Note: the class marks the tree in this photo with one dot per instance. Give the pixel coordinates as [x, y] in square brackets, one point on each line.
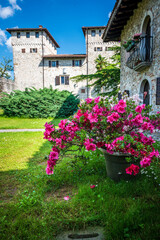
[107, 76]
[5, 68]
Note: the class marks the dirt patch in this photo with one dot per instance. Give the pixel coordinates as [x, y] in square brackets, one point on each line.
[60, 193]
[8, 194]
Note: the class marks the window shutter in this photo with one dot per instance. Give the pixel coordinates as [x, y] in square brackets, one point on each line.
[94, 48]
[30, 50]
[101, 49]
[72, 63]
[119, 96]
[158, 92]
[80, 63]
[106, 48]
[36, 50]
[57, 81]
[50, 63]
[57, 63]
[66, 80]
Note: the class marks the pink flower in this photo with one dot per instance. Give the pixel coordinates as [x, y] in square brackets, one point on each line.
[49, 171]
[93, 117]
[66, 198]
[92, 186]
[137, 120]
[91, 147]
[122, 103]
[62, 124]
[120, 109]
[53, 155]
[97, 99]
[89, 100]
[139, 108]
[132, 169]
[146, 161]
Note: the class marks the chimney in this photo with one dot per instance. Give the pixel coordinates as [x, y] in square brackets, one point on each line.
[40, 26]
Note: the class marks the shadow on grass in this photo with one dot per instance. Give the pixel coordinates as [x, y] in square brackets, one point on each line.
[33, 206]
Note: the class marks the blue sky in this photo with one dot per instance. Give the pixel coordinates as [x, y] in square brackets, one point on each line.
[63, 18]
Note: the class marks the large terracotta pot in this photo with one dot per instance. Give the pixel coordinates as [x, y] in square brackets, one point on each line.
[116, 165]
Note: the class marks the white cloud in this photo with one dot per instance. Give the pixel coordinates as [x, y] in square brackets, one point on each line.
[6, 12]
[109, 14]
[8, 43]
[14, 4]
[9, 11]
[3, 37]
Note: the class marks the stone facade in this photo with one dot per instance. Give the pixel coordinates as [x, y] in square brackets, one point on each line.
[132, 80]
[7, 85]
[32, 67]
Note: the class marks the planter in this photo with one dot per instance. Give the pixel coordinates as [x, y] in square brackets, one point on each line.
[130, 47]
[116, 165]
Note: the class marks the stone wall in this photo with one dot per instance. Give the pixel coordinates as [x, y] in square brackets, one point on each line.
[6, 85]
[28, 67]
[65, 68]
[130, 79]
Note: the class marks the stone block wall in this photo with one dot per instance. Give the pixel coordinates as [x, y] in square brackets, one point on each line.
[130, 79]
[7, 85]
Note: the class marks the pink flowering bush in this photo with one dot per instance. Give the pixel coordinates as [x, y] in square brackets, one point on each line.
[116, 126]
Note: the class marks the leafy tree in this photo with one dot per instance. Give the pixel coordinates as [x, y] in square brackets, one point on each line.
[107, 76]
[5, 68]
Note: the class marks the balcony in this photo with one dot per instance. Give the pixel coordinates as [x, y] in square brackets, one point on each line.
[141, 55]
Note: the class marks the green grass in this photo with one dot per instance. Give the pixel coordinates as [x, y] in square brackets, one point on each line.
[24, 123]
[32, 204]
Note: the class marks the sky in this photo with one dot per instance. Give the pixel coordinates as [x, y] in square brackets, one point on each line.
[63, 18]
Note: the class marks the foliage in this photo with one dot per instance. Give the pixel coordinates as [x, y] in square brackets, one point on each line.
[107, 76]
[125, 210]
[5, 68]
[114, 125]
[41, 103]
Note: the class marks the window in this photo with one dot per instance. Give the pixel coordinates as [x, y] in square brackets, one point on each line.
[33, 50]
[23, 50]
[63, 80]
[77, 63]
[18, 35]
[53, 63]
[97, 48]
[37, 34]
[100, 32]
[27, 34]
[93, 33]
[83, 90]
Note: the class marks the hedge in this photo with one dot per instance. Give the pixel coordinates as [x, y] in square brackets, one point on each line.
[42, 103]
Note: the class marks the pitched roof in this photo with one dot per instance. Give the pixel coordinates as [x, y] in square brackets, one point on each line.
[92, 27]
[121, 13]
[65, 56]
[34, 29]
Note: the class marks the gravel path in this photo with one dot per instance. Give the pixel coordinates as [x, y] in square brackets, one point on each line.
[21, 130]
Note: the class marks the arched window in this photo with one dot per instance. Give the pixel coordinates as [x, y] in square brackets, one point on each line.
[146, 40]
[145, 92]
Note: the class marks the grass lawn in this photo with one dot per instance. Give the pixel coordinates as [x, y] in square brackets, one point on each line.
[32, 204]
[24, 123]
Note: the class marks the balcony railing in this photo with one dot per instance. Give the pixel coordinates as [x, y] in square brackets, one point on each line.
[141, 54]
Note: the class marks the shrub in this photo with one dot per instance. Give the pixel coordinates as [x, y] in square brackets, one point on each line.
[42, 103]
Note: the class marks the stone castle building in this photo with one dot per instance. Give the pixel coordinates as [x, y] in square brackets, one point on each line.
[37, 64]
[140, 61]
